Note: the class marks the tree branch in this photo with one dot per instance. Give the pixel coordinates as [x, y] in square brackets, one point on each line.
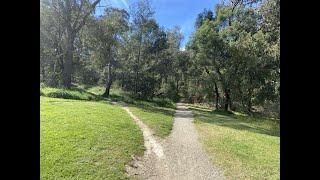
[78, 14]
[76, 29]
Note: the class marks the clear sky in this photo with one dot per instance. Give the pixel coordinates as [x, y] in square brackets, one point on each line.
[170, 13]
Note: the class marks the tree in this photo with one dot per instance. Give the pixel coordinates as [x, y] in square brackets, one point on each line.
[72, 17]
[213, 55]
[238, 53]
[146, 42]
[205, 15]
[107, 33]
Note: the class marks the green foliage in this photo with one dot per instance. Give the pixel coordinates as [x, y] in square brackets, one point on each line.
[231, 61]
[205, 15]
[170, 90]
[235, 52]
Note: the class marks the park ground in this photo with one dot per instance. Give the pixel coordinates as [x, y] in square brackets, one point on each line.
[85, 136]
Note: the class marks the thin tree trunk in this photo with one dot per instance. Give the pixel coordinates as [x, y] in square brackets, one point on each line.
[227, 100]
[109, 82]
[177, 87]
[138, 64]
[249, 106]
[107, 90]
[249, 102]
[217, 95]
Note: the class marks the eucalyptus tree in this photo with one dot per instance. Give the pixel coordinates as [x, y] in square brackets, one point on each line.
[145, 44]
[205, 15]
[213, 56]
[106, 35]
[73, 15]
[51, 45]
[234, 49]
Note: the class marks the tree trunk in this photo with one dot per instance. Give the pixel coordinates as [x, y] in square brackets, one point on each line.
[217, 95]
[249, 102]
[107, 91]
[227, 100]
[177, 87]
[138, 65]
[249, 106]
[109, 81]
[108, 56]
[67, 65]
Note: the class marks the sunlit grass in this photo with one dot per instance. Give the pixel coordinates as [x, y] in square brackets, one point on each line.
[92, 139]
[159, 119]
[86, 140]
[245, 147]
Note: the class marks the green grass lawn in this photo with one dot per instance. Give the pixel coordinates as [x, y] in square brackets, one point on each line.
[245, 147]
[159, 119]
[83, 136]
[86, 139]
[156, 114]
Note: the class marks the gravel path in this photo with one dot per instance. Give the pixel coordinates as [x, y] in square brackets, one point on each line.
[179, 156]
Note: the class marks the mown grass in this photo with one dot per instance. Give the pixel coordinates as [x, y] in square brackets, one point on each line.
[86, 140]
[157, 113]
[159, 119]
[245, 147]
[83, 136]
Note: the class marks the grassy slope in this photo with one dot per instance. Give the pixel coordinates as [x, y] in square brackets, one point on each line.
[91, 139]
[246, 148]
[85, 140]
[156, 114]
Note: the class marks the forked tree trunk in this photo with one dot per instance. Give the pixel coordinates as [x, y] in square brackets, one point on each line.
[71, 31]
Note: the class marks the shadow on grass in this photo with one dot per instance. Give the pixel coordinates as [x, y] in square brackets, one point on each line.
[230, 120]
[143, 103]
[156, 105]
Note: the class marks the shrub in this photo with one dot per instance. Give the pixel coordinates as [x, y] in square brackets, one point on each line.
[76, 94]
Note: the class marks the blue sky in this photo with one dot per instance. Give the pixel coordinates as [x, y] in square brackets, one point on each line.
[170, 13]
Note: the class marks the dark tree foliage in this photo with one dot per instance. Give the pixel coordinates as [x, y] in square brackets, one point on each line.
[205, 15]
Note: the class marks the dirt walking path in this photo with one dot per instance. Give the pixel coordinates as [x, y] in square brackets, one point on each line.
[178, 157]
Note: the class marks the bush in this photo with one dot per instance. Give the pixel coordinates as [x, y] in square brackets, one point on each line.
[272, 109]
[164, 102]
[170, 91]
[63, 94]
[76, 94]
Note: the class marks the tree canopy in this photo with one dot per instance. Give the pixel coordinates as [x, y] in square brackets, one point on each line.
[232, 59]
